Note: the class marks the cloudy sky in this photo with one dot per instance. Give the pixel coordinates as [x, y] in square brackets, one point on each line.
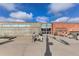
[39, 12]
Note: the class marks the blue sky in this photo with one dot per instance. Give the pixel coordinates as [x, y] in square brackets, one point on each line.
[39, 12]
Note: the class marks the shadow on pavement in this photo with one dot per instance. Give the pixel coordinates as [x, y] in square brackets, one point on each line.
[64, 42]
[48, 52]
[9, 40]
[5, 42]
[61, 41]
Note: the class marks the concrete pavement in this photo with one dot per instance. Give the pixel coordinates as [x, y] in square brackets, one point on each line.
[61, 49]
[24, 46]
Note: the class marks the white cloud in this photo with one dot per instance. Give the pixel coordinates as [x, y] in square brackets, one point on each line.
[14, 20]
[8, 6]
[67, 20]
[62, 19]
[42, 19]
[17, 17]
[74, 20]
[3, 19]
[21, 15]
[57, 7]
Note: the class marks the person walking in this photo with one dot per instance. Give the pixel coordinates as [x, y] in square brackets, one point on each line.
[34, 37]
[40, 36]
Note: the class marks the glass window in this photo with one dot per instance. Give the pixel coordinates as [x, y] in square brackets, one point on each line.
[15, 25]
[46, 26]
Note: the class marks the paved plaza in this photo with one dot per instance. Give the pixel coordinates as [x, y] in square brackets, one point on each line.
[24, 46]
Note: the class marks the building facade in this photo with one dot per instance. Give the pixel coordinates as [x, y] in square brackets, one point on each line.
[65, 28]
[22, 28]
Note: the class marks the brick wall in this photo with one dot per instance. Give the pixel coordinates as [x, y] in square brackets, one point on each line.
[68, 26]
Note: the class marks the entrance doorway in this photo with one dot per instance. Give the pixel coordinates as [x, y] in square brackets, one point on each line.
[46, 30]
